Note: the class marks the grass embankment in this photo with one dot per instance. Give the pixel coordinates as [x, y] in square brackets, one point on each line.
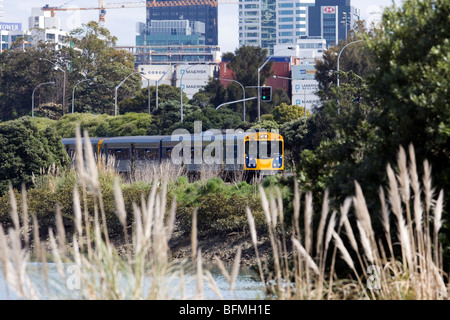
[403, 261]
[221, 207]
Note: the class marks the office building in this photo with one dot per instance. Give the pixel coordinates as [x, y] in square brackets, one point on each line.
[1, 10]
[267, 23]
[332, 20]
[178, 34]
[41, 28]
[205, 13]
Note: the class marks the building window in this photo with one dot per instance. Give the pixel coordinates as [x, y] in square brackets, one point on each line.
[286, 12]
[300, 11]
[251, 6]
[286, 26]
[286, 34]
[300, 19]
[251, 13]
[287, 19]
[252, 34]
[285, 5]
[329, 16]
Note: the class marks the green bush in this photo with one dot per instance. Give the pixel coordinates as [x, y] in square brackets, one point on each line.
[24, 150]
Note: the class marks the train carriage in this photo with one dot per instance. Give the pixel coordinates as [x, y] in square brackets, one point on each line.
[252, 153]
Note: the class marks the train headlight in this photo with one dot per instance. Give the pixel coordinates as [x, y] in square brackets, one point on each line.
[277, 162]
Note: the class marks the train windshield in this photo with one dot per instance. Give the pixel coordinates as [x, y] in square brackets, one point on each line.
[264, 149]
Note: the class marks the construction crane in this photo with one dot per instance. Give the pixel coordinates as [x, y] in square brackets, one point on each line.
[102, 6]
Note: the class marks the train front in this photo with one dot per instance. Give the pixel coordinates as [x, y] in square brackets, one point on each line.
[264, 153]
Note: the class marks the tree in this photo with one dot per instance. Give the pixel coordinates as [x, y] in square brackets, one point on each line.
[245, 62]
[91, 55]
[20, 73]
[211, 119]
[24, 150]
[285, 113]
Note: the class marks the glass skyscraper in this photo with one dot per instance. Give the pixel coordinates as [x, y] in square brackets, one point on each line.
[267, 23]
[332, 20]
[206, 13]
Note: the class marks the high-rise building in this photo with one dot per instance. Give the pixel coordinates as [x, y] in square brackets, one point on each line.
[267, 23]
[178, 33]
[41, 28]
[205, 13]
[332, 20]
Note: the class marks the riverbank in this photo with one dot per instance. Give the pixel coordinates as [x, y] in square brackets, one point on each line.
[223, 246]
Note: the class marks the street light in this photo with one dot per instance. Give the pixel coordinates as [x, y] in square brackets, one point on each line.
[117, 88]
[259, 79]
[73, 91]
[304, 91]
[181, 90]
[148, 84]
[32, 96]
[339, 56]
[157, 83]
[64, 84]
[243, 94]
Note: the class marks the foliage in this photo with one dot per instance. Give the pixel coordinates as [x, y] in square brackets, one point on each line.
[139, 102]
[129, 124]
[21, 72]
[25, 150]
[401, 99]
[266, 124]
[293, 133]
[284, 113]
[211, 119]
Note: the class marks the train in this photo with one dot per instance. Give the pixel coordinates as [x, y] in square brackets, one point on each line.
[259, 153]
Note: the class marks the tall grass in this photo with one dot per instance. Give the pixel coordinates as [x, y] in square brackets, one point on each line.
[89, 264]
[343, 257]
[403, 263]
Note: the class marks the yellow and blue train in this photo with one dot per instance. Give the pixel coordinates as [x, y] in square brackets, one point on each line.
[253, 153]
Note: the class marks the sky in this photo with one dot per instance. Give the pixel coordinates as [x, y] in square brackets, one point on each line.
[122, 22]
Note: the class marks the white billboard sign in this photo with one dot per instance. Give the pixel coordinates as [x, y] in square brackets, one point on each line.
[195, 72]
[191, 87]
[309, 101]
[302, 87]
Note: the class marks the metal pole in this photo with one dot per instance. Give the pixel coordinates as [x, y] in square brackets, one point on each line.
[304, 91]
[259, 84]
[149, 111]
[339, 56]
[237, 101]
[32, 96]
[157, 83]
[64, 84]
[115, 94]
[64, 92]
[243, 94]
[73, 92]
[157, 94]
[181, 92]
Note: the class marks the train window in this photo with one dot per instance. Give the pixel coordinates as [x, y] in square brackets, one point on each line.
[120, 153]
[169, 153]
[147, 153]
[269, 149]
[264, 149]
[251, 148]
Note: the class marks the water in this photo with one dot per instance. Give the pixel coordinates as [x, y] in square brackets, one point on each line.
[245, 288]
